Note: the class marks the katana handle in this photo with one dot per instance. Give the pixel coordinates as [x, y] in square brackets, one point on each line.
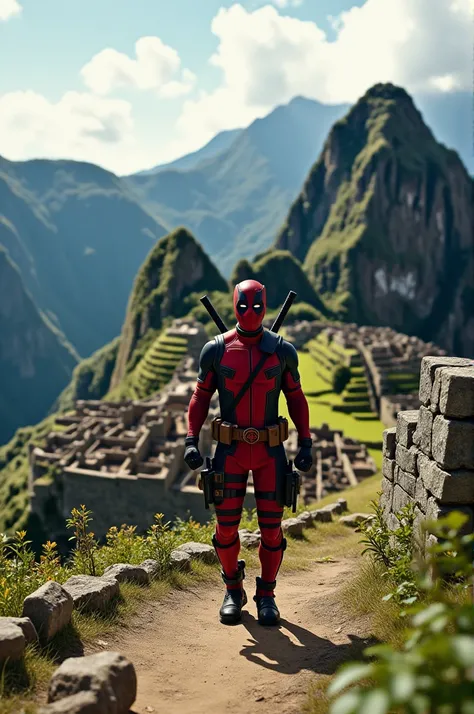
[284, 309]
[214, 314]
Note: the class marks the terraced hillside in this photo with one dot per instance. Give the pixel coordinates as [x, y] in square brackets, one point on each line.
[157, 366]
[328, 356]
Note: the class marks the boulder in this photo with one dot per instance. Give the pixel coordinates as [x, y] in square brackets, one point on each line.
[453, 443]
[248, 539]
[292, 527]
[389, 441]
[126, 573]
[200, 551]
[406, 426]
[26, 626]
[91, 593]
[109, 676]
[12, 641]
[353, 520]
[151, 566]
[49, 609]
[180, 560]
[454, 487]
[80, 703]
[321, 515]
[306, 519]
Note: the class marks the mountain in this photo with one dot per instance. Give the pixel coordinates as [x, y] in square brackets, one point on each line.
[235, 201]
[215, 146]
[176, 268]
[35, 360]
[78, 237]
[384, 224]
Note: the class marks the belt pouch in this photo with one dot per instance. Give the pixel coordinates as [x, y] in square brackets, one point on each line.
[218, 490]
[273, 435]
[215, 428]
[283, 424]
[225, 433]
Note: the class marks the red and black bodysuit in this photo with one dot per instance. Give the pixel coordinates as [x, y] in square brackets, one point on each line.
[225, 364]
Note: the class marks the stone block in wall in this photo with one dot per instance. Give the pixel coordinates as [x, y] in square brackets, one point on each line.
[454, 487]
[436, 510]
[419, 519]
[386, 496]
[429, 365]
[406, 458]
[406, 481]
[422, 435]
[388, 468]
[456, 397]
[400, 498]
[406, 425]
[392, 522]
[421, 495]
[452, 443]
[389, 442]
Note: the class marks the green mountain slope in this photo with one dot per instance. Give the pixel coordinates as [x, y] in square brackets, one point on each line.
[176, 268]
[384, 224]
[233, 202]
[35, 360]
[78, 237]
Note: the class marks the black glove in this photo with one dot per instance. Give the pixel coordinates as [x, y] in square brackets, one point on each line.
[304, 457]
[191, 454]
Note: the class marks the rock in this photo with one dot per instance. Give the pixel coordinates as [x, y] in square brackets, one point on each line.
[26, 626]
[12, 641]
[392, 522]
[80, 703]
[456, 397]
[406, 458]
[91, 593]
[453, 443]
[200, 551]
[249, 540]
[406, 425]
[422, 435]
[306, 519]
[49, 609]
[343, 503]
[126, 573]
[388, 468]
[321, 515]
[429, 365]
[151, 566]
[292, 527]
[406, 481]
[400, 499]
[334, 508]
[436, 510]
[389, 442]
[108, 675]
[421, 495]
[180, 561]
[353, 520]
[454, 487]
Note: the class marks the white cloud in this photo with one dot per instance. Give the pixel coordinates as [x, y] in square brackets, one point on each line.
[287, 3]
[8, 9]
[267, 58]
[156, 67]
[79, 126]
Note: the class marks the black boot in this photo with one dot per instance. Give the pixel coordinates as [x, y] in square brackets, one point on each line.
[234, 600]
[268, 613]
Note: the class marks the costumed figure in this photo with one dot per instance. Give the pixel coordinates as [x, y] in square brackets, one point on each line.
[249, 366]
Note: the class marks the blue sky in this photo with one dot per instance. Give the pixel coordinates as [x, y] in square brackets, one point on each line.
[71, 85]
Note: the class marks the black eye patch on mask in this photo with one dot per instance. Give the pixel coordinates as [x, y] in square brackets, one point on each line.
[242, 303]
[258, 302]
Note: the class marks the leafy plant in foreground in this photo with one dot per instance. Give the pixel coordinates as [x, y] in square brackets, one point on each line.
[434, 671]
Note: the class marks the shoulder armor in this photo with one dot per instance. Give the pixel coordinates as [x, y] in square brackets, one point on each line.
[270, 342]
[208, 358]
[290, 358]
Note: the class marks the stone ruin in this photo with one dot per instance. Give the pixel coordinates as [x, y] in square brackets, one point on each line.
[338, 462]
[428, 458]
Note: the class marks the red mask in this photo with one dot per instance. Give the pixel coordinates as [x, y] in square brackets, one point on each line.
[250, 303]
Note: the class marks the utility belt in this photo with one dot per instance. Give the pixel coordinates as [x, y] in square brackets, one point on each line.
[226, 433]
[213, 485]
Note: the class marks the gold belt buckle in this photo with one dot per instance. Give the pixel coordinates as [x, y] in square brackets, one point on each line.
[251, 435]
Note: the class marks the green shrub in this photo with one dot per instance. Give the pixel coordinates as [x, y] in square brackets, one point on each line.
[434, 671]
[340, 377]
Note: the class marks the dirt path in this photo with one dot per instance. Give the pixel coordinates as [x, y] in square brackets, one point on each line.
[188, 663]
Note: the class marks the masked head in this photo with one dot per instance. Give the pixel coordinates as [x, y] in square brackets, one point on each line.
[250, 303]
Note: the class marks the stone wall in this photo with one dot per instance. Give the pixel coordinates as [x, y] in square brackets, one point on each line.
[428, 457]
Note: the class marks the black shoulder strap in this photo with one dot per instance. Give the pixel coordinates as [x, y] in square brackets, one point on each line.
[249, 381]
